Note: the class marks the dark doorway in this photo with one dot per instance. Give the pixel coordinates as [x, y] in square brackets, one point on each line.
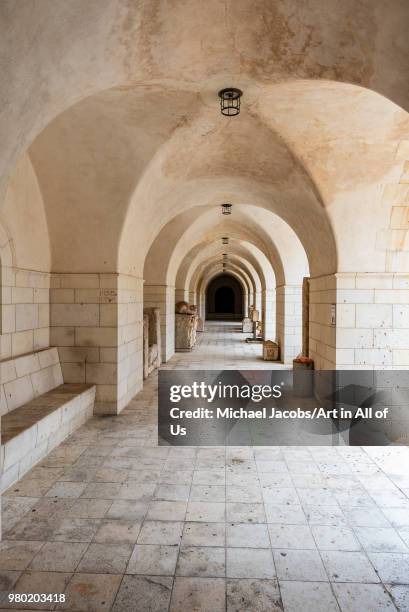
[224, 298]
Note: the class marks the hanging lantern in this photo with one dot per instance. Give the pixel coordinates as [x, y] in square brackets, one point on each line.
[226, 209]
[225, 240]
[230, 101]
[225, 256]
[224, 267]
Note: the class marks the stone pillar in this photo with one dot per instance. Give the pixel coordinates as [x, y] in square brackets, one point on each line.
[96, 323]
[372, 321]
[163, 297]
[305, 316]
[180, 295]
[360, 320]
[289, 321]
[269, 314]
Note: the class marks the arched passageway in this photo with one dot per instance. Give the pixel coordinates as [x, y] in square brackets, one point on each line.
[224, 299]
[115, 164]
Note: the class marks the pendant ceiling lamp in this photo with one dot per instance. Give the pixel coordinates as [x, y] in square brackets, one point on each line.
[230, 101]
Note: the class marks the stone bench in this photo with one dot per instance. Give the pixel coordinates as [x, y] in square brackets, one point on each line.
[38, 411]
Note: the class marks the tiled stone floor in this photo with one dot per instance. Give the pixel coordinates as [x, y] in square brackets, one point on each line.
[118, 523]
[223, 346]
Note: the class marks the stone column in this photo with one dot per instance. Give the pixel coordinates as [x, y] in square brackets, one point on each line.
[289, 321]
[163, 297]
[269, 314]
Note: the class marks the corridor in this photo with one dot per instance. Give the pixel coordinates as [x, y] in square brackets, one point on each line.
[117, 523]
[223, 346]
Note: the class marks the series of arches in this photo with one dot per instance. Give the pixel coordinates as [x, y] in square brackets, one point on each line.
[115, 162]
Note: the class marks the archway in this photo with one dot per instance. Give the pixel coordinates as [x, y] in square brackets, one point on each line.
[224, 299]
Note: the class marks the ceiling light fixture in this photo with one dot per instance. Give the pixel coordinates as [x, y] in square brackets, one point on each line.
[230, 101]
[226, 209]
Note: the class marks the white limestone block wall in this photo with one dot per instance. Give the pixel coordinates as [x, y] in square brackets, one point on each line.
[289, 321]
[163, 297]
[371, 329]
[269, 314]
[25, 310]
[322, 332]
[372, 321]
[130, 338]
[96, 323]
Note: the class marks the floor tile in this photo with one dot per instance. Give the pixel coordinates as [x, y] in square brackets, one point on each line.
[237, 512]
[160, 532]
[252, 594]
[172, 492]
[249, 563]
[91, 593]
[76, 530]
[291, 536]
[201, 561]
[105, 559]
[204, 534]
[143, 593]
[166, 511]
[207, 512]
[358, 597]
[244, 535]
[58, 557]
[301, 565]
[344, 566]
[391, 567]
[16, 555]
[153, 559]
[66, 489]
[288, 515]
[117, 532]
[213, 493]
[204, 594]
[400, 596]
[331, 537]
[380, 539]
[316, 596]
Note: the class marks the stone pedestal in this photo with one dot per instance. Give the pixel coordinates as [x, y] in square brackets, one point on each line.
[247, 326]
[185, 331]
[270, 351]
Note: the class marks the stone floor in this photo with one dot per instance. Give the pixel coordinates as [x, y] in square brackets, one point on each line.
[223, 346]
[117, 523]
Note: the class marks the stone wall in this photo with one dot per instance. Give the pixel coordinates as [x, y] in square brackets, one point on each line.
[322, 333]
[96, 323]
[371, 330]
[289, 321]
[25, 311]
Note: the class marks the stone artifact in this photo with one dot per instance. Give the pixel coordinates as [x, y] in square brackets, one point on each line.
[247, 325]
[255, 316]
[270, 350]
[181, 307]
[200, 325]
[152, 353]
[185, 331]
[192, 309]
